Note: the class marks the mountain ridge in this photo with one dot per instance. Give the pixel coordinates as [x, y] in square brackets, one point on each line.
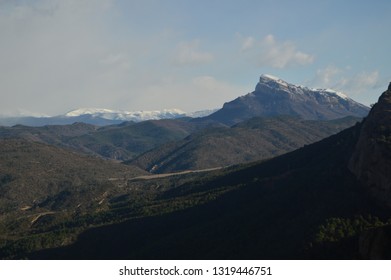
[274, 96]
[251, 140]
[101, 117]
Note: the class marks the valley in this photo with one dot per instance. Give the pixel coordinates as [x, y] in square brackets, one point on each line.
[282, 185]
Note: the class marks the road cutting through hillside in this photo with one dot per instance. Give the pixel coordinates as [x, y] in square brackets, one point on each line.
[164, 175]
[41, 215]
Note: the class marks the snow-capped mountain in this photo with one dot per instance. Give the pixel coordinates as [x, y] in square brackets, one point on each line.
[202, 113]
[272, 81]
[98, 116]
[136, 116]
[274, 96]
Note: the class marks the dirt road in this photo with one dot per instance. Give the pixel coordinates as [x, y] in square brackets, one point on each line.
[156, 176]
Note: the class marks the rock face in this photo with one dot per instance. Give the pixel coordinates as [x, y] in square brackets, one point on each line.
[371, 160]
[273, 96]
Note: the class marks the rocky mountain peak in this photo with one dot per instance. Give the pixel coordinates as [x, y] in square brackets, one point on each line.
[267, 78]
[273, 82]
[371, 160]
[273, 96]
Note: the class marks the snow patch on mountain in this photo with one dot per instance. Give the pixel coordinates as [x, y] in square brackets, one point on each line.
[200, 114]
[271, 77]
[136, 116]
[267, 79]
[339, 94]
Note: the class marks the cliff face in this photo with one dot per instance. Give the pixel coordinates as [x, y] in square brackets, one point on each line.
[371, 160]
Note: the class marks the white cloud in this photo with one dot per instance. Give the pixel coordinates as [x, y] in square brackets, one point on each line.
[248, 43]
[188, 53]
[268, 52]
[366, 79]
[327, 77]
[344, 80]
[281, 54]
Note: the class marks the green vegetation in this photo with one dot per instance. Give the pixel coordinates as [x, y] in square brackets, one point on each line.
[279, 208]
[119, 142]
[255, 139]
[336, 229]
[49, 196]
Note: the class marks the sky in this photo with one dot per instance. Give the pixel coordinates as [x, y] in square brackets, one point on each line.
[59, 55]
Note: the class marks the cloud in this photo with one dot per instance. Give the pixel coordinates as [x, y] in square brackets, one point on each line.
[327, 77]
[281, 54]
[188, 53]
[268, 52]
[344, 80]
[248, 43]
[366, 79]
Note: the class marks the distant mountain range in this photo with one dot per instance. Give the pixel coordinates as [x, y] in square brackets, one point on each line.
[136, 116]
[273, 97]
[101, 117]
[177, 141]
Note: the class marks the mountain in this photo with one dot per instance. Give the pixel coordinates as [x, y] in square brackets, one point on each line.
[273, 96]
[101, 117]
[251, 140]
[200, 114]
[318, 202]
[128, 140]
[43, 185]
[371, 161]
[136, 116]
[119, 142]
[49, 134]
[56, 120]
[33, 172]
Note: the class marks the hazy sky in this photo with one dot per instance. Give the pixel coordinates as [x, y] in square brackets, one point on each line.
[58, 55]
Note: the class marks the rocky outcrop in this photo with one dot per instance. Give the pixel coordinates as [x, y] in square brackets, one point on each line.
[371, 160]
